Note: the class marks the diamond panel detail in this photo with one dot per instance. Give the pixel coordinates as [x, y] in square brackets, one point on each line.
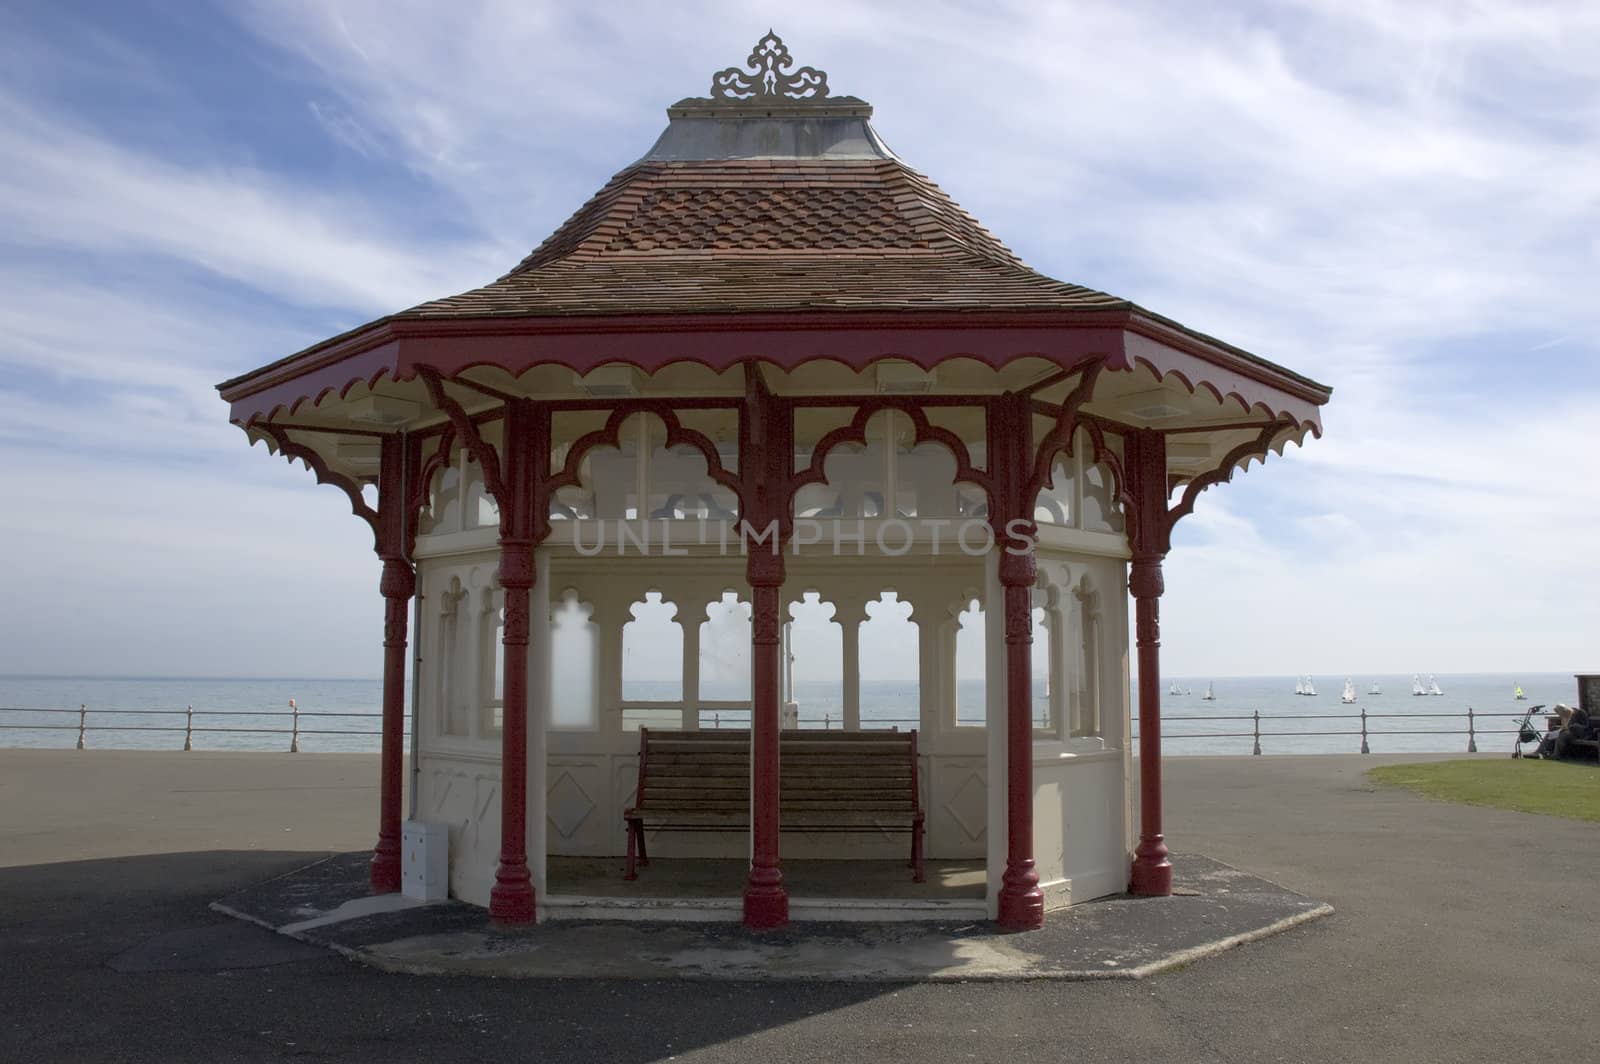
[569, 805]
[968, 804]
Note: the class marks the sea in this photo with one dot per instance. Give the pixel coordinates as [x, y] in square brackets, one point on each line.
[154, 713]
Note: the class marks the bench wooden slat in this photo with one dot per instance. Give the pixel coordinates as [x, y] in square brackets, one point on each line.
[827, 782]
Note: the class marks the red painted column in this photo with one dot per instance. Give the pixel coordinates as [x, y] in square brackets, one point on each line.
[524, 451]
[511, 898]
[1147, 470]
[397, 585]
[766, 463]
[1152, 870]
[766, 901]
[1021, 902]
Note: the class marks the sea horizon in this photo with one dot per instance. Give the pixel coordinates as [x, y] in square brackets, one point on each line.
[377, 678]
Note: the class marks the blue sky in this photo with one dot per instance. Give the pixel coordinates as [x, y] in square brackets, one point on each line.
[1400, 200]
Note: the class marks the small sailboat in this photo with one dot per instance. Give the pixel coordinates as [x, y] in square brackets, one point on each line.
[1349, 696]
[1519, 696]
[1374, 689]
[1174, 689]
[1211, 694]
[1416, 686]
[1311, 688]
[1299, 686]
[1433, 686]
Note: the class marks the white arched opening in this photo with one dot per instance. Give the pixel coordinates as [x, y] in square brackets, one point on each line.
[652, 665]
[891, 680]
[725, 663]
[575, 684]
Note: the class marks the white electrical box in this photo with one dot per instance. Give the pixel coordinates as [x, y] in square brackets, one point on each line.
[425, 861]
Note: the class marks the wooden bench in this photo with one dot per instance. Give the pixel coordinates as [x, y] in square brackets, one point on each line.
[862, 782]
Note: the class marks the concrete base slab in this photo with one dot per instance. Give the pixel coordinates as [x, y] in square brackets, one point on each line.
[1216, 908]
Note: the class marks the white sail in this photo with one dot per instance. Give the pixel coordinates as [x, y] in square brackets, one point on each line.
[1211, 694]
[1374, 689]
[1416, 686]
[1299, 686]
[1311, 688]
[1174, 689]
[1349, 695]
[1433, 686]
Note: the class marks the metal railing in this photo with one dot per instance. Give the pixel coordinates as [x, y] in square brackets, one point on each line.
[84, 722]
[1362, 729]
[109, 720]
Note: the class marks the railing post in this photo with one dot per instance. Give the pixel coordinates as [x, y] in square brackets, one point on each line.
[83, 723]
[294, 737]
[1257, 749]
[1364, 748]
[1472, 734]
[188, 729]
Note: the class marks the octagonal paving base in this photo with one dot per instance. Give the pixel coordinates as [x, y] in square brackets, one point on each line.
[1215, 908]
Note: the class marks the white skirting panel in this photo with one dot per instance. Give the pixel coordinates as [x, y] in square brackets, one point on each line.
[464, 794]
[1078, 834]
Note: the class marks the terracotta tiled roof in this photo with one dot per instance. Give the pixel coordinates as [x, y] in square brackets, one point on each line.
[786, 234]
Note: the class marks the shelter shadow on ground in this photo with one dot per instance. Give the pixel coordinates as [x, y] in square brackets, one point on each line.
[132, 935]
[1214, 908]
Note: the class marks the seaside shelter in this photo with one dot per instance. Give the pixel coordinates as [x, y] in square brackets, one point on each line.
[770, 372]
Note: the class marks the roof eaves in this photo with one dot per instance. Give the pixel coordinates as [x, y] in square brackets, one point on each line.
[349, 342]
[1166, 330]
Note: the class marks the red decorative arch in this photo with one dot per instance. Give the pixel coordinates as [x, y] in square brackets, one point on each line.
[924, 432]
[1256, 448]
[435, 462]
[677, 435]
[487, 460]
[291, 450]
[1105, 456]
[1059, 438]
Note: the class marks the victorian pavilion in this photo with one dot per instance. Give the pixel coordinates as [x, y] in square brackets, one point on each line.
[767, 329]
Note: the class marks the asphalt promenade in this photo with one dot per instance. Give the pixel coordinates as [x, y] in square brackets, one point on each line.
[1457, 933]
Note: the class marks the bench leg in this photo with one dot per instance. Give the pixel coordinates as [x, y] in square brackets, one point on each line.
[644, 852]
[916, 853]
[632, 872]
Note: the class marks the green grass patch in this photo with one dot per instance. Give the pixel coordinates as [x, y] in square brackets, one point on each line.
[1554, 788]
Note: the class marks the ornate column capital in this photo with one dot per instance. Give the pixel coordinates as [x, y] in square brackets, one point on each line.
[517, 568]
[1018, 569]
[399, 580]
[1144, 576]
[763, 569]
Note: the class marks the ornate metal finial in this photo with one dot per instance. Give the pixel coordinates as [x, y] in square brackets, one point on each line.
[768, 78]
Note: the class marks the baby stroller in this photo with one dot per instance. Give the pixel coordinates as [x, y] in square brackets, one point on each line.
[1527, 733]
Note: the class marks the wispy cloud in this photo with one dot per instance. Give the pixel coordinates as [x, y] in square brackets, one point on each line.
[68, 189]
[1398, 199]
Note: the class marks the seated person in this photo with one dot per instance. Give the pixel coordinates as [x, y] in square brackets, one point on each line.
[1578, 727]
[1569, 724]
